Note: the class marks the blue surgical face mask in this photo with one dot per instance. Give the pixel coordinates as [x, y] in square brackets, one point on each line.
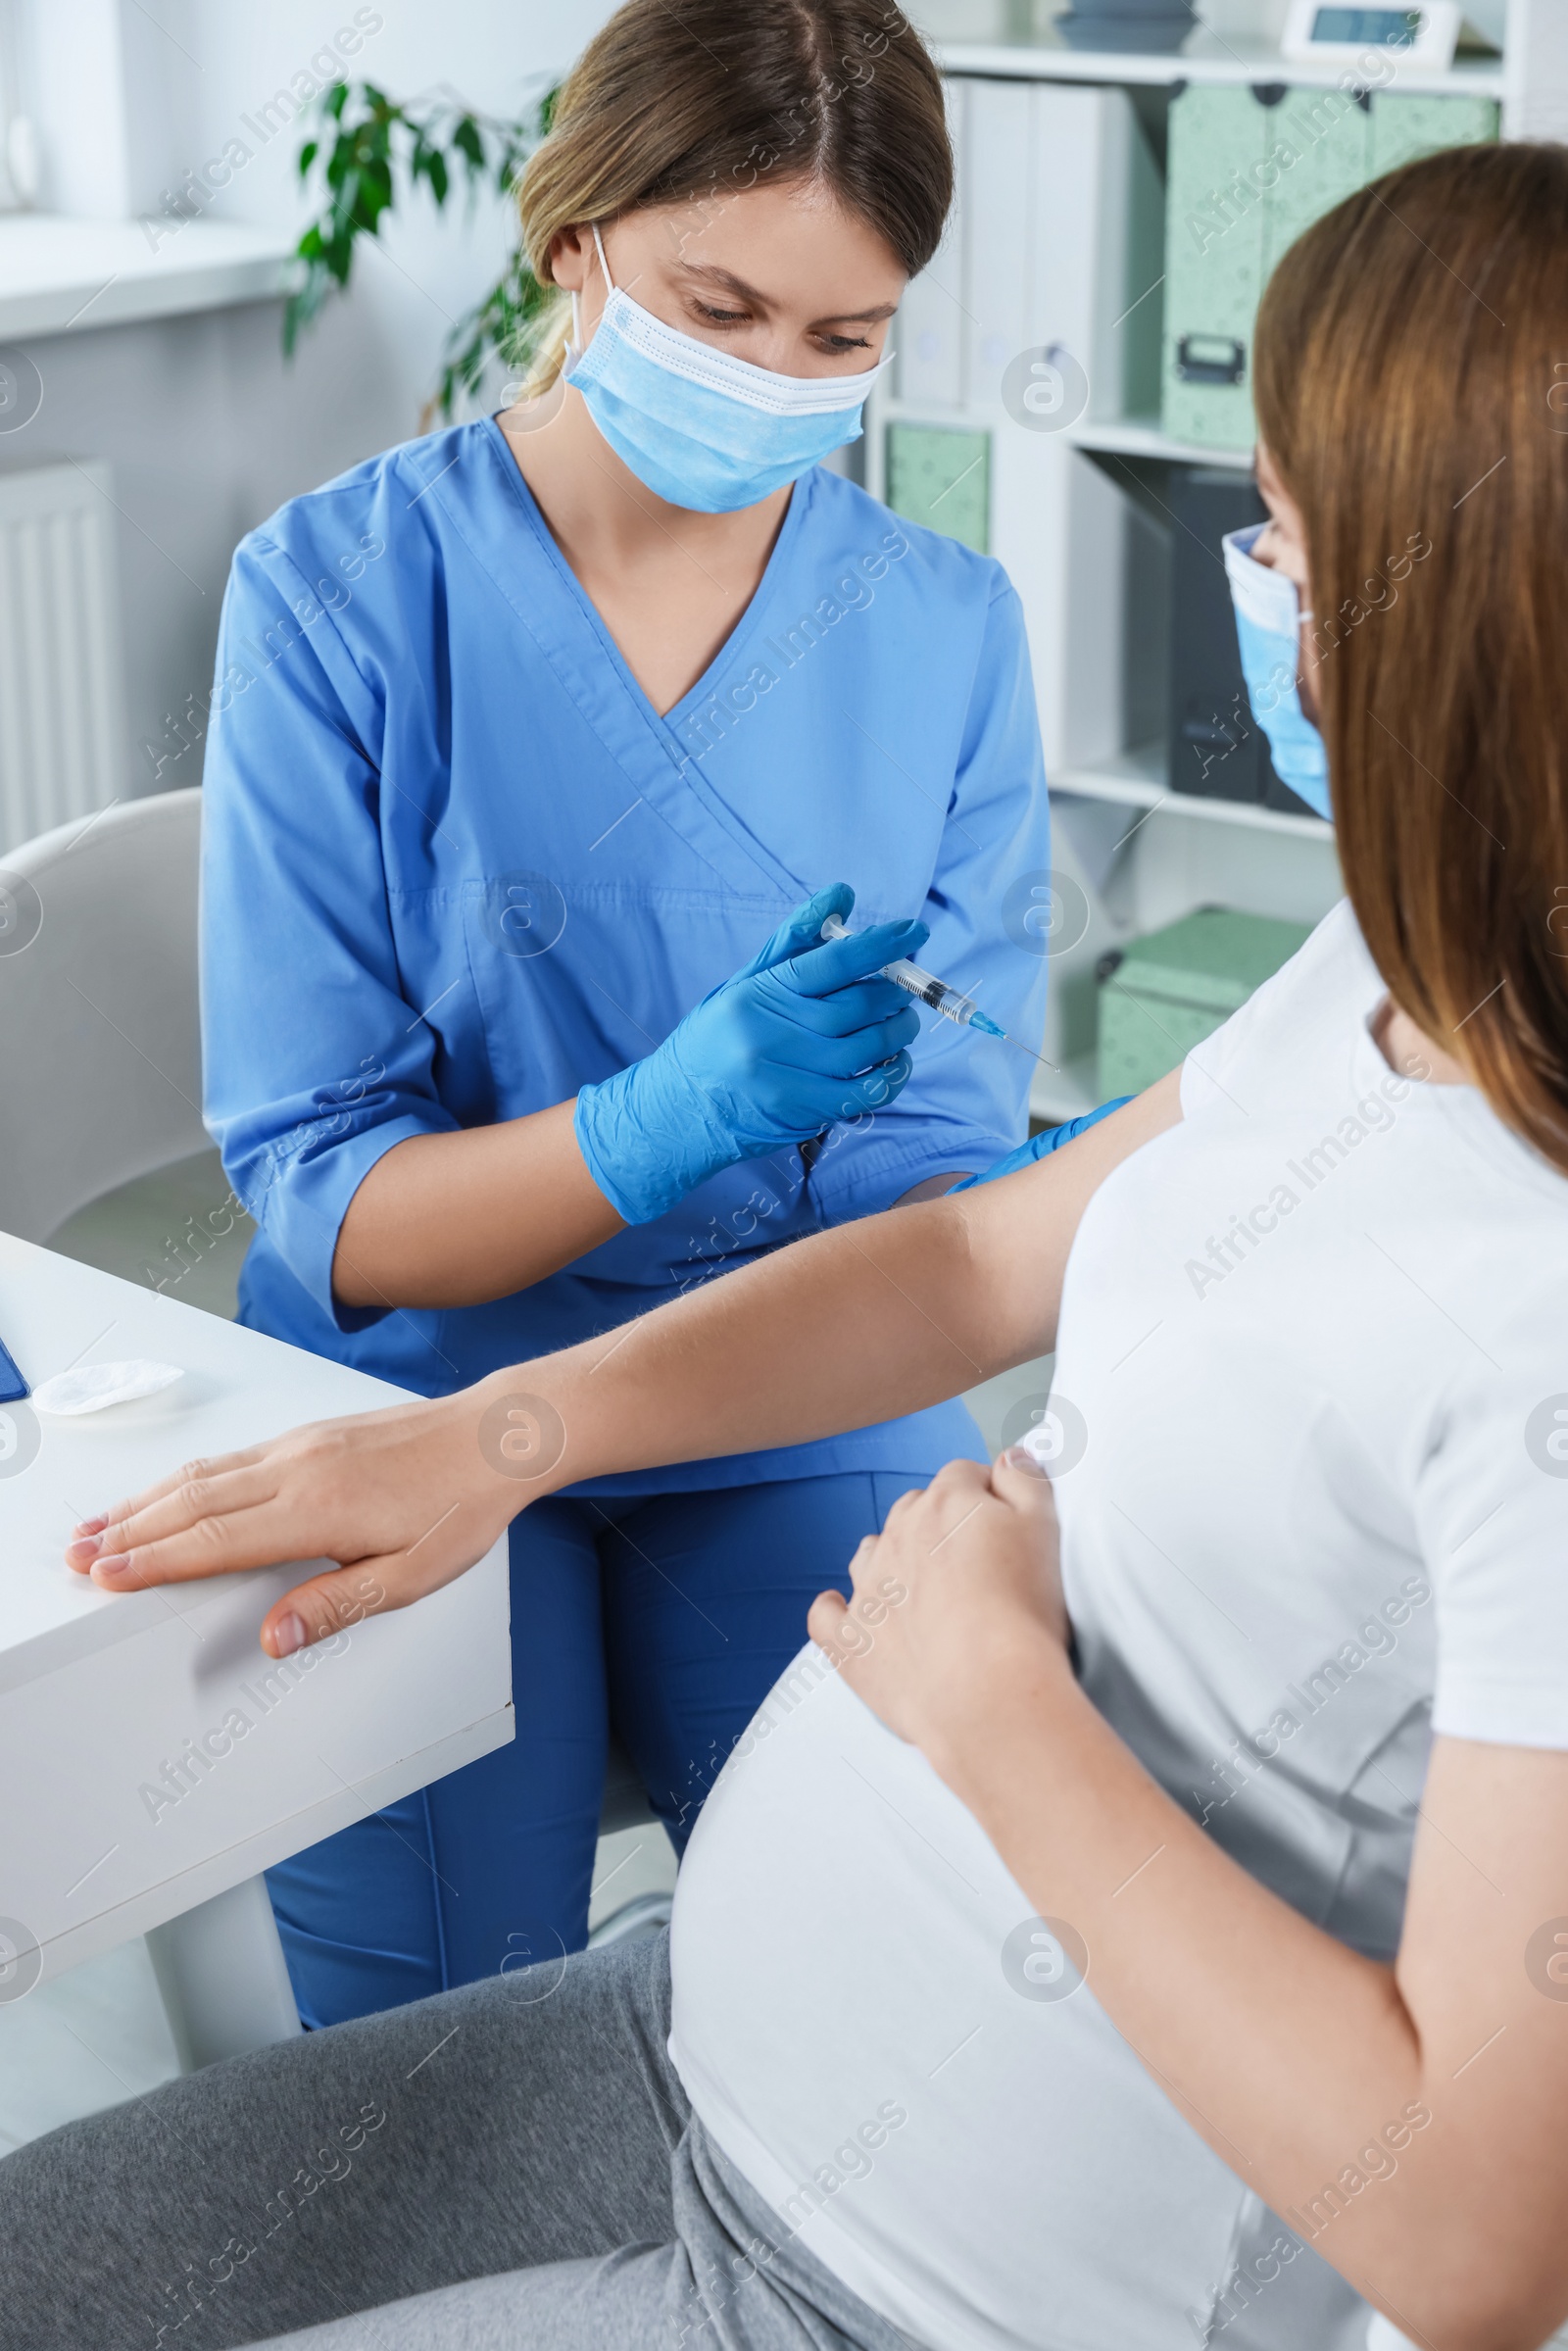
[1268, 625]
[699, 426]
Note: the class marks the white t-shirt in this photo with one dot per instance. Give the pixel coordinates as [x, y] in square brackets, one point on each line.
[1313, 1353]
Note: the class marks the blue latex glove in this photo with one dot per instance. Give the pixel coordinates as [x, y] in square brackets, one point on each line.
[1041, 1146]
[806, 1035]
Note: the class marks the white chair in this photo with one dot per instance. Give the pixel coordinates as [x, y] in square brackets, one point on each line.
[100, 1042]
[100, 1079]
[100, 1075]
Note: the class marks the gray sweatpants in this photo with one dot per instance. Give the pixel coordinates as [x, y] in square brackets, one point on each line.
[510, 2167]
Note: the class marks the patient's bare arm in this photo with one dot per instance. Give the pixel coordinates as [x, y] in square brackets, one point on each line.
[849, 1327]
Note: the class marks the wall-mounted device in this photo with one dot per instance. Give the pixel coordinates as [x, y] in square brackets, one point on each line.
[1323, 31]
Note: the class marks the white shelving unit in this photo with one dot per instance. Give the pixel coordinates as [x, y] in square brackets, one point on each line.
[1137, 779]
[1205, 57]
[1072, 208]
[1142, 437]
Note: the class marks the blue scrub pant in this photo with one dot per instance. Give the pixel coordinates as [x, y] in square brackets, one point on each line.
[667, 1616]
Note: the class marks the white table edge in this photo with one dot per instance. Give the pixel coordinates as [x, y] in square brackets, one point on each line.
[352, 1803]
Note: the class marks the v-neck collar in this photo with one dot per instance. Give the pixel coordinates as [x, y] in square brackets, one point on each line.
[530, 572]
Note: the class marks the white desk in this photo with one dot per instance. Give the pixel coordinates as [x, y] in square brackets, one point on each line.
[99, 1692]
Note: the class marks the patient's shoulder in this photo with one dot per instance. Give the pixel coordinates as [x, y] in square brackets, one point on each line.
[1301, 1021]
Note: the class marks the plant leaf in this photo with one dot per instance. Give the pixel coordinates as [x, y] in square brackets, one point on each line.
[378, 139]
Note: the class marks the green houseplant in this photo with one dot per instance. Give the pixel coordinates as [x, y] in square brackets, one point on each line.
[365, 150]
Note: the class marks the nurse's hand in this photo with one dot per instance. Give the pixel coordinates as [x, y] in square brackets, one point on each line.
[405, 1499]
[807, 1035]
[1040, 1146]
[956, 1602]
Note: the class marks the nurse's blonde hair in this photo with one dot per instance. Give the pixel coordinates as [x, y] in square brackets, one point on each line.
[703, 101]
[1412, 393]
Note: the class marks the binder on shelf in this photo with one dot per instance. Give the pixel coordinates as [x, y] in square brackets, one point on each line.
[1062, 240]
[1002, 233]
[930, 328]
[1076, 167]
[1059, 247]
[940, 475]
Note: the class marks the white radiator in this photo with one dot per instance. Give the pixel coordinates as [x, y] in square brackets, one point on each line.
[62, 671]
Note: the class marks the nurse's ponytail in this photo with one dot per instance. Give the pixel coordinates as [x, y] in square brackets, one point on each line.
[705, 101]
[1412, 392]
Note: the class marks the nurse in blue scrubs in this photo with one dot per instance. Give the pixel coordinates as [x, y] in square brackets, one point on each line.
[541, 747]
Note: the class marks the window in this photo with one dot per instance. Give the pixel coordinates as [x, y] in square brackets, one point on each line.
[18, 164]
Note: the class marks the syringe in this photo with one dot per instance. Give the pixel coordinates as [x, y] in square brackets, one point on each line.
[925, 987]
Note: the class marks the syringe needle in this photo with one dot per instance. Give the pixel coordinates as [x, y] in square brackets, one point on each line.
[1029, 1049]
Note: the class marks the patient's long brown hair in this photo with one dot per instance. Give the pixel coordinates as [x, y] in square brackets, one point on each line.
[1412, 389]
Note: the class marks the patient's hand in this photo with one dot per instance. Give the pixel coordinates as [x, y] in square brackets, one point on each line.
[956, 1600]
[404, 1499]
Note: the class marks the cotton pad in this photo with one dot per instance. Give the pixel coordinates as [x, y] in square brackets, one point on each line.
[98, 1385]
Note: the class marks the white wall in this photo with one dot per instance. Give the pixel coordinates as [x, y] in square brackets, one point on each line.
[205, 424]
[207, 428]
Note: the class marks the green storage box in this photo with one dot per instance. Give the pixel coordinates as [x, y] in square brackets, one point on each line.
[1406, 126]
[1214, 230]
[1246, 174]
[1179, 985]
[940, 475]
[1330, 137]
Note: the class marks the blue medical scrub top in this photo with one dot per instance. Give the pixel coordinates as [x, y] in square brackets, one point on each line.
[455, 866]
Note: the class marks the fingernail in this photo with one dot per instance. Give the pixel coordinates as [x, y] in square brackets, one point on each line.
[93, 1526]
[85, 1547]
[117, 1564]
[288, 1635]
